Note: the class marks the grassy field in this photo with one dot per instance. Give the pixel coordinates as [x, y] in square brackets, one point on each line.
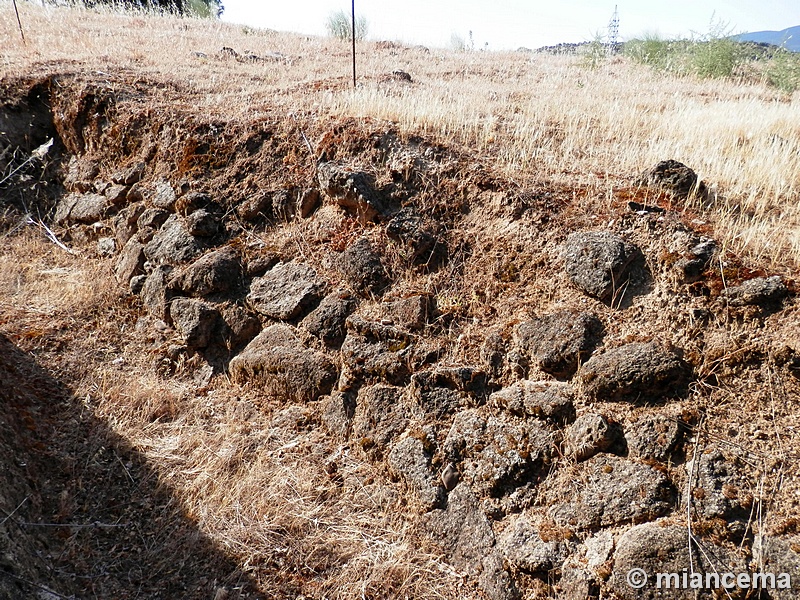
[531, 117]
[256, 477]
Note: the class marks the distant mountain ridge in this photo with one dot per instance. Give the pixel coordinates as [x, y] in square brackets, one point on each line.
[788, 38]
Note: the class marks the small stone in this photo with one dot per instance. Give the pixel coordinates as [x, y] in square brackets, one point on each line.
[327, 321]
[129, 175]
[202, 223]
[163, 196]
[194, 320]
[590, 434]
[287, 291]
[634, 371]
[106, 246]
[450, 477]
[761, 291]
[597, 262]
[116, 195]
[674, 177]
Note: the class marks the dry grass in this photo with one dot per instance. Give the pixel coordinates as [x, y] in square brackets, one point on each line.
[263, 482]
[532, 117]
[257, 478]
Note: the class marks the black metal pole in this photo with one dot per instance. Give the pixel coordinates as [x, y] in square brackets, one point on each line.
[23, 34]
[353, 6]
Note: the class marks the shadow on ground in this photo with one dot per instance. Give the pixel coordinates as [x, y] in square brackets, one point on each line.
[82, 514]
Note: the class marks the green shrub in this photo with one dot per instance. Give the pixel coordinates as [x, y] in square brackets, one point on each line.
[340, 25]
[783, 71]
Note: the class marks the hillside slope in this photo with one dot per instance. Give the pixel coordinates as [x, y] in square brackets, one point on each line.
[447, 335]
[788, 38]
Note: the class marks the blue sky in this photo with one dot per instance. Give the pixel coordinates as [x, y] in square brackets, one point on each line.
[509, 24]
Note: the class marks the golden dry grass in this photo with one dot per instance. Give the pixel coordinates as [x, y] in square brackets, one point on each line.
[254, 480]
[532, 117]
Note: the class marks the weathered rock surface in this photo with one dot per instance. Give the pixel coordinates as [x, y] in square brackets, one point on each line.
[129, 175]
[466, 536]
[125, 223]
[277, 361]
[172, 244]
[327, 321]
[130, 261]
[660, 548]
[674, 177]
[80, 174]
[779, 556]
[634, 371]
[194, 320]
[590, 434]
[540, 399]
[238, 325]
[761, 291]
[156, 293]
[411, 313]
[152, 218]
[411, 462]
[202, 223]
[558, 343]
[525, 550]
[379, 417]
[654, 437]
[362, 268]
[408, 227]
[719, 488]
[163, 196]
[497, 454]
[597, 262]
[81, 208]
[610, 490]
[217, 271]
[287, 291]
[373, 351]
[352, 190]
[116, 195]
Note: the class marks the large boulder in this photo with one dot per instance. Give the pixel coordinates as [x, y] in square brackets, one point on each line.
[277, 361]
[597, 262]
[634, 371]
[217, 271]
[558, 343]
[287, 291]
[172, 244]
[609, 490]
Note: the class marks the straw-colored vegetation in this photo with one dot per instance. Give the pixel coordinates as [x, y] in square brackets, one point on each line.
[536, 116]
[263, 492]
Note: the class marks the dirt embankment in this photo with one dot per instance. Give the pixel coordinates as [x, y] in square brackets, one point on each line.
[527, 375]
